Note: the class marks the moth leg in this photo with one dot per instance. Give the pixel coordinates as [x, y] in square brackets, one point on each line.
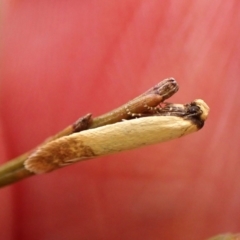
[131, 114]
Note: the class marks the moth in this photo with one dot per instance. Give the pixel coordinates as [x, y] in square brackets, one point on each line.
[166, 123]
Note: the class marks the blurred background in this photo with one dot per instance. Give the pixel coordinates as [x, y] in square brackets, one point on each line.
[63, 59]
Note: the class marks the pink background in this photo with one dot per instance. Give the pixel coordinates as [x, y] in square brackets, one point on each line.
[63, 59]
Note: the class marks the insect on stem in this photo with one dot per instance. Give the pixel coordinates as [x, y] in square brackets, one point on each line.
[113, 138]
[147, 104]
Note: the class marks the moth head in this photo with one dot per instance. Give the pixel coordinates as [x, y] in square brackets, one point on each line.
[204, 108]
